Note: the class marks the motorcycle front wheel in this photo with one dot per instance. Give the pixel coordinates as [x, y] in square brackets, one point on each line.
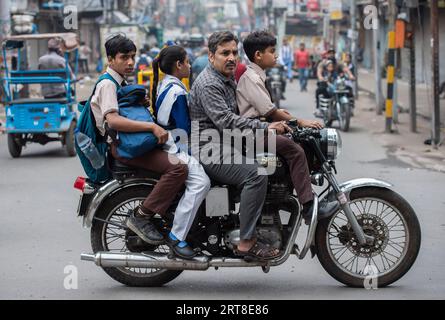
[112, 238]
[345, 116]
[392, 222]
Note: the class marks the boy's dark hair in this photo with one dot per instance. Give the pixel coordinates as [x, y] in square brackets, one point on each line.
[220, 37]
[119, 44]
[166, 61]
[258, 41]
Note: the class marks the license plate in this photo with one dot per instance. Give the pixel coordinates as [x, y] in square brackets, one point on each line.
[79, 205]
[84, 202]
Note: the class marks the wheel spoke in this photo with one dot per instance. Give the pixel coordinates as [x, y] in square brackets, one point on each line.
[346, 250]
[379, 219]
[375, 264]
[112, 233]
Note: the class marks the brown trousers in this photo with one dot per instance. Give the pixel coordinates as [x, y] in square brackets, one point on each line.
[172, 179]
[295, 158]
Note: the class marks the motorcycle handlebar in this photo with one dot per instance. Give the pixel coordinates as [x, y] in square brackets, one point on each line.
[302, 132]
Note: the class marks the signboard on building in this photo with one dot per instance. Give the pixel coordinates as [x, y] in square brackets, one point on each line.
[335, 9]
[312, 5]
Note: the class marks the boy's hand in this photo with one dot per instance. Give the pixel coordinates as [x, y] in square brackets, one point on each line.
[286, 112]
[146, 101]
[310, 124]
[160, 133]
[280, 126]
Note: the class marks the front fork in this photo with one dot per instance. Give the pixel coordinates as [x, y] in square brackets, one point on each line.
[345, 205]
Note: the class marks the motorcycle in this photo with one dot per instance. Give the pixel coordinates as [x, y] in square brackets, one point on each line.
[375, 233]
[338, 105]
[276, 83]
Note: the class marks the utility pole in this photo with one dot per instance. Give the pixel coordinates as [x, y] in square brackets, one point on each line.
[412, 94]
[271, 17]
[378, 65]
[353, 14]
[5, 18]
[435, 76]
[5, 28]
[390, 75]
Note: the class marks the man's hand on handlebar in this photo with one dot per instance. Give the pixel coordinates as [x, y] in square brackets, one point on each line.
[310, 124]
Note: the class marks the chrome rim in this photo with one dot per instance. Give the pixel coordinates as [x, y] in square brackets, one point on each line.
[114, 238]
[379, 219]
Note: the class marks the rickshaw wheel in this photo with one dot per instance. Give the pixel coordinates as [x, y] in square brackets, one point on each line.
[69, 140]
[14, 144]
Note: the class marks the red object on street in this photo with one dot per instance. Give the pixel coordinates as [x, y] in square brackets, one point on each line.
[240, 69]
[79, 184]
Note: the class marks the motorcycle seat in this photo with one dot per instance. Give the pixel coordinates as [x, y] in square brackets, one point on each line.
[121, 171]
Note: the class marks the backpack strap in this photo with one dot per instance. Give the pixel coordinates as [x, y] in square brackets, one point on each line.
[108, 132]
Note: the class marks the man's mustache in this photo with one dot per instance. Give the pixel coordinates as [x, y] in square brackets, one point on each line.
[230, 64]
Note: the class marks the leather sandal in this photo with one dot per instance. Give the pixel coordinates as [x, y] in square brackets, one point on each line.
[259, 252]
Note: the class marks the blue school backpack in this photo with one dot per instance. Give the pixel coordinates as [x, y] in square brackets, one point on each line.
[134, 144]
[87, 125]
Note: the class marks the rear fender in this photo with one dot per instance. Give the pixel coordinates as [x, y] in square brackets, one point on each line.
[108, 190]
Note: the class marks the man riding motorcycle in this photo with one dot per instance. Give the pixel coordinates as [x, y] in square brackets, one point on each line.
[321, 84]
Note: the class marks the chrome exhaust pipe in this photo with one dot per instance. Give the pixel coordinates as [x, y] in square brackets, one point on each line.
[162, 261]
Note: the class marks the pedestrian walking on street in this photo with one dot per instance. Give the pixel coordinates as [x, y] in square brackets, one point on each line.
[84, 52]
[302, 62]
[287, 58]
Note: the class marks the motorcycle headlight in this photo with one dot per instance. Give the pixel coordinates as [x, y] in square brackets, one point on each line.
[331, 143]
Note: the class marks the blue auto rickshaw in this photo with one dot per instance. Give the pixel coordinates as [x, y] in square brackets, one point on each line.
[38, 119]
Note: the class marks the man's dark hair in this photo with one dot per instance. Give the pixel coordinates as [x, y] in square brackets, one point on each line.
[258, 41]
[220, 37]
[119, 44]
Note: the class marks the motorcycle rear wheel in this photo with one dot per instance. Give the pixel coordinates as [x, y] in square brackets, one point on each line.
[116, 208]
[335, 238]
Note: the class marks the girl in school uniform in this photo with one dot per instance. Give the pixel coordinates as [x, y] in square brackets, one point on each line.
[169, 101]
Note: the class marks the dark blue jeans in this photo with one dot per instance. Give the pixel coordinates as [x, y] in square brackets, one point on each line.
[303, 76]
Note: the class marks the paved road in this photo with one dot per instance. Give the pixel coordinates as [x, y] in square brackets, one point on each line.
[41, 235]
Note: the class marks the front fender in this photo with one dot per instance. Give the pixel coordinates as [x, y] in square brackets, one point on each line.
[107, 190]
[350, 185]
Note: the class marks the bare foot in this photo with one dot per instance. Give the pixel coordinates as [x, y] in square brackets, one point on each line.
[245, 245]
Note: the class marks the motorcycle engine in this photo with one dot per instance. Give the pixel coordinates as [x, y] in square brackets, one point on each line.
[268, 230]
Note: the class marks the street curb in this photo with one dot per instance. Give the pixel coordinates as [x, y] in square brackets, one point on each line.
[400, 105]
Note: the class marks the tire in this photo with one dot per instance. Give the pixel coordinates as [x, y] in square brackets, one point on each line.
[381, 278]
[276, 97]
[123, 275]
[14, 147]
[327, 119]
[346, 117]
[69, 140]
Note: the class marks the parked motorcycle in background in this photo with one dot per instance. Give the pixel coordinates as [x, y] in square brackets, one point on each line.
[338, 105]
[276, 83]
